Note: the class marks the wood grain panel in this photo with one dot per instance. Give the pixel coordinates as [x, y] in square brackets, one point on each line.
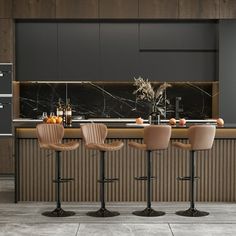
[125, 9]
[154, 9]
[227, 9]
[77, 9]
[5, 8]
[6, 39]
[216, 169]
[199, 9]
[35, 9]
[6, 158]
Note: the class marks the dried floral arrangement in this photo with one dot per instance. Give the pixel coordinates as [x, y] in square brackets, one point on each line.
[157, 98]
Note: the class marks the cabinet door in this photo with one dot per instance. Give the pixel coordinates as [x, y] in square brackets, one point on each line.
[6, 115]
[36, 51]
[34, 9]
[205, 9]
[178, 36]
[6, 159]
[5, 8]
[78, 51]
[149, 9]
[119, 51]
[6, 40]
[227, 70]
[227, 9]
[118, 9]
[77, 9]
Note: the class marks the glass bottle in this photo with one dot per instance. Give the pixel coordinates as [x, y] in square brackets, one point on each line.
[68, 113]
[59, 109]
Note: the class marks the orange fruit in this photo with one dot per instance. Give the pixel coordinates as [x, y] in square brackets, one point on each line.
[53, 121]
[172, 121]
[59, 119]
[139, 120]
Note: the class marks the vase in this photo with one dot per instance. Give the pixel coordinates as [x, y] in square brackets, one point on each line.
[154, 117]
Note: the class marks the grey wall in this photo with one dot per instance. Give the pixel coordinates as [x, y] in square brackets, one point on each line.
[227, 70]
[161, 51]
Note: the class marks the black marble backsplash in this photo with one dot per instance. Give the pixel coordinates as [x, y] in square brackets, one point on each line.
[112, 99]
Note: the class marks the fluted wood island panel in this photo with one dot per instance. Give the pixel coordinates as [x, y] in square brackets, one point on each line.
[35, 169]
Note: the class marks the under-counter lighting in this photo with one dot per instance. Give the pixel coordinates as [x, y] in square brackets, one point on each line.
[54, 82]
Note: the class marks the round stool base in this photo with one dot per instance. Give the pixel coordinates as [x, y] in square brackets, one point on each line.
[58, 212]
[149, 212]
[192, 212]
[103, 212]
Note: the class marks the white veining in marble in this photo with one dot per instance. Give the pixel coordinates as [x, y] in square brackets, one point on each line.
[124, 230]
[203, 229]
[38, 229]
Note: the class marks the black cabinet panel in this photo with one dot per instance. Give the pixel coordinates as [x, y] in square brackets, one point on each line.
[178, 66]
[178, 36]
[78, 51]
[36, 51]
[5, 78]
[5, 114]
[119, 51]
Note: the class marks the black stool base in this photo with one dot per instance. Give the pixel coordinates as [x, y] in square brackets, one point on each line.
[103, 212]
[192, 212]
[149, 212]
[58, 212]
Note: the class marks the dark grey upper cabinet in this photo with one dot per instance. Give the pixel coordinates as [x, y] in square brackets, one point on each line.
[178, 66]
[78, 51]
[119, 51]
[227, 69]
[181, 36]
[36, 51]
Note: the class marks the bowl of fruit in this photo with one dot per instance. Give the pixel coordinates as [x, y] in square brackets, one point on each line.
[53, 120]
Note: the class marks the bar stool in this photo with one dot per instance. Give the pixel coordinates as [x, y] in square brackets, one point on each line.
[201, 137]
[94, 136]
[50, 137]
[156, 137]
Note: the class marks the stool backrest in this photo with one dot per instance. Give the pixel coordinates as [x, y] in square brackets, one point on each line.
[94, 133]
[201, 137]
[157, 136]
[49, 134]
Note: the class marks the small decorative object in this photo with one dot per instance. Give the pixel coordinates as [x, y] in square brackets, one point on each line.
[182, 121]
[172, 121]
[220, 122]
[139, 121]
[145, 91]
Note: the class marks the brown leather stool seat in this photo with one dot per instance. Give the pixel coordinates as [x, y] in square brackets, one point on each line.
[201, 137]
[156, 137]
[94, 136]
[50, 137]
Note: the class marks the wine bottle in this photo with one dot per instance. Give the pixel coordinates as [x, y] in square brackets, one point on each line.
[59, 109]
[68, 113]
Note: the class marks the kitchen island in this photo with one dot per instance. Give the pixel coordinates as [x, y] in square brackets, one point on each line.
[35, 167]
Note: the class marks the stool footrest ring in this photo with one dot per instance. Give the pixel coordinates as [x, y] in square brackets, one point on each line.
[108, 180]
[187, 178]
[144, 178]
[63, 180]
